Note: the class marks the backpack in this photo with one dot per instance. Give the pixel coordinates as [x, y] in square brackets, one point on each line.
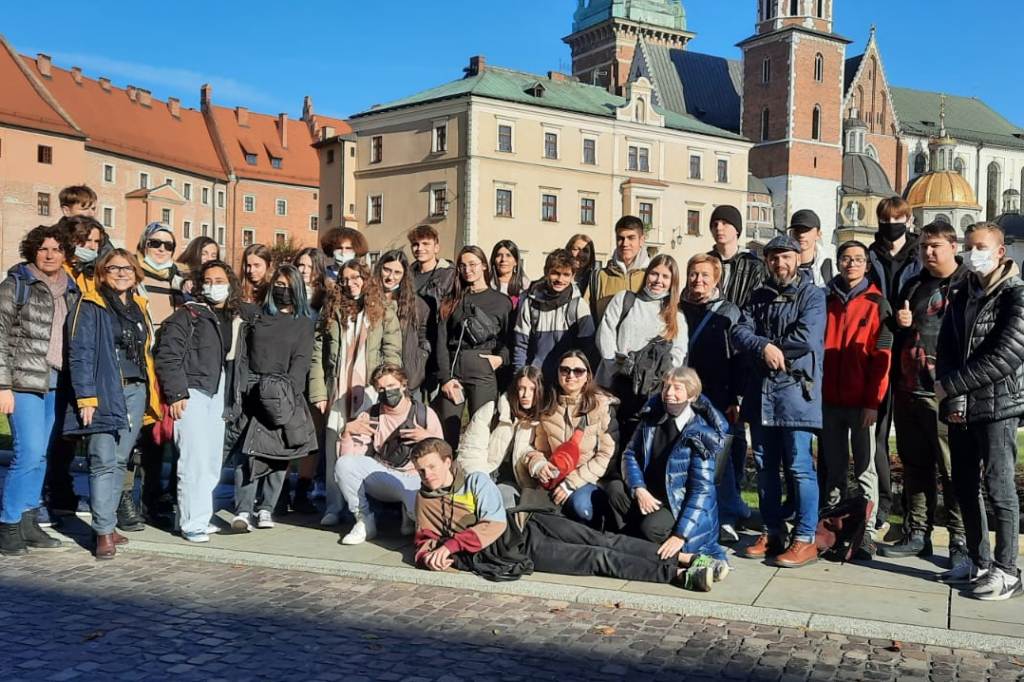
[841, 528]
[393, 452]
[571, 315]
[646, 366]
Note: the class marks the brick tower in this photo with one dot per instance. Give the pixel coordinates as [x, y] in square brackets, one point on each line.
[793, 80]
[604, 35]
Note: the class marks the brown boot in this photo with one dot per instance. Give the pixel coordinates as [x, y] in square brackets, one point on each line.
[119, 539]
[105, 546]
[765, 546]
[799, 554]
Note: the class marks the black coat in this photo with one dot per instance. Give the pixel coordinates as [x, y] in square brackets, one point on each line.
[981, 364]
[747, 272]
[711, 354]
[189, 353]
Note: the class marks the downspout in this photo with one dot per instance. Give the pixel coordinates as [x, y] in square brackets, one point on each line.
[469, 198]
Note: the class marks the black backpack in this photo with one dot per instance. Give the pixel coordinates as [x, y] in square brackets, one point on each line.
[646, 366]
[841, 528]
[393, 451]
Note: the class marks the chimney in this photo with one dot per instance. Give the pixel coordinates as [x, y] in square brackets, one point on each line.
[76, 75]
[133, 93]
[242, 114]
[105, 83]
[43, 63]
[282, 127]
[559, 76]
[205, 96]
[476, 66]
[145, 97]
[174, 106]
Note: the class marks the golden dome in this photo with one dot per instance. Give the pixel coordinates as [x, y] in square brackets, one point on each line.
[941, 189]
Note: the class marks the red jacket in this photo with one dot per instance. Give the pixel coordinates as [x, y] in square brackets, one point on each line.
[858, 347]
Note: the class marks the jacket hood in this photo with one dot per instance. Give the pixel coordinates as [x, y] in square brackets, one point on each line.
[617, 267]
[714, 426]
[837, 287]
[23, 272]
[881, 247]
[96, 297]
[991, 282]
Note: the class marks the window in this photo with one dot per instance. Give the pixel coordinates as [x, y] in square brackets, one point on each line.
[766, 70]
[220, 234]
[330, 156]
[275, 162]
[248, 237]
[165, 216]
[794, 7]
[958, 165]
[770, 8]
[723, 170]
[43, 203]
[206, 196]
[503, 203]
[143, 180]
[108, 172]
[765, 121]
[186, 191]
[590, 151]
[588, 211]
[549, 208]
[647, 214]
[186, 230]
[440, 138]
[108, 216]
[920, 163]
[314, 223]
[249, 203]
[250, 158]
[329, 213]
[819, 67]
[205, 229]
[281, 207]
[821, 9]
[220, 198]
[169, 182]
[639, 159]
[438, 201]
[550, 145]
[995, 182]
[280, 238]
[504, 138]
[641, 111]
[376, 149]
[855, 212]
[44, 154]
[693, 223]
[966, 222]
[694, 167]
[816, 123]
[376, 208]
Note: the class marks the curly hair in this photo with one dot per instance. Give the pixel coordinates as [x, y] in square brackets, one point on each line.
[233, 304]
[33, 241]
[405, 296]
[342, 307]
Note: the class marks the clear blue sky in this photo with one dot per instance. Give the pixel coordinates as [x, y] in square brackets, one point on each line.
[350, 54]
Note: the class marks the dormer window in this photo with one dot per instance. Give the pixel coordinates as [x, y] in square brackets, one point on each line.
[535, 90]
[250, 159]
[275, 161]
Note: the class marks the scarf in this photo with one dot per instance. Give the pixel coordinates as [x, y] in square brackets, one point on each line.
[349, 395]
[58, 286]
[840, 288]
[543, 299]
[133, 337]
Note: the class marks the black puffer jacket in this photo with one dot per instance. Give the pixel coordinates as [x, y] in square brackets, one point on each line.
[981, 363]
[741, 275]
[25, 329]
[190, 352]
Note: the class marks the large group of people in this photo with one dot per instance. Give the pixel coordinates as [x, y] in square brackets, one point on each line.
[594, 421]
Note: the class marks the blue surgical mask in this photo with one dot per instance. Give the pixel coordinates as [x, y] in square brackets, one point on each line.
[85, 255]
[157, 266]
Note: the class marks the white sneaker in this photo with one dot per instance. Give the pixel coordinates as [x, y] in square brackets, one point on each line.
[997, 586]
[241, 523]
[212, 529]
[720, 569]
[330, 519]
[408, 525]
[965, 573]
[365, 529]
[196, 537]
[264, 519]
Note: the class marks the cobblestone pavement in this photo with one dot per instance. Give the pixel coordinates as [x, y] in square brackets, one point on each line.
[64, 617]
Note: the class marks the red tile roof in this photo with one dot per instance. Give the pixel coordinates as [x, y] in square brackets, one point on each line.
[25, 103]
[142, 128]
[261, 137]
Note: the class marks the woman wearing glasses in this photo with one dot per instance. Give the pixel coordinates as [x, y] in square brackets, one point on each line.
[113, 385]
[580, 405]
[161, 281]
[473, 341]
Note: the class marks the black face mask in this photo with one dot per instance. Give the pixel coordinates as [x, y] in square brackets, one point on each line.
[391, 397]
[892, 231]
[283, 297]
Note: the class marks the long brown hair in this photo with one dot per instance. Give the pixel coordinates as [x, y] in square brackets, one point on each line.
[589, 394]
[459, 288]
[341, 306]
[405, 295]
[542, 396]
[670, 304]
[254, 293]
[588, 250]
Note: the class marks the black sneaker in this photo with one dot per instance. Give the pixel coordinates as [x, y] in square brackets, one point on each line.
[867, 549]
[958, 552]
[917, 544]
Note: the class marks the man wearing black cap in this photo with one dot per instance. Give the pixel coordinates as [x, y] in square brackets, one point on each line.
[782, 331]
[805, 229]
[742, 271]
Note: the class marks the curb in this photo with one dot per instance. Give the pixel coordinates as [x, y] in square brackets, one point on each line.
[759, 615]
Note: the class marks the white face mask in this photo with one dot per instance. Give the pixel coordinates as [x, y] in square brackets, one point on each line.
[342, 256]
[980, 262]
[218, 293]
[394, 288]
[158, 266]
[656, 297]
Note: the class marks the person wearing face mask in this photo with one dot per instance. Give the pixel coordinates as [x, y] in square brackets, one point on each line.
[667, 494]
[193, 348]
[642, 335]
[980, 371]
[373, 459]
[553, 318]
[392, 274]
[162, 281]
[342, 244]
[358, 331]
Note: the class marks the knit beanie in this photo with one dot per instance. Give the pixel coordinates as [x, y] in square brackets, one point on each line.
[728, 214]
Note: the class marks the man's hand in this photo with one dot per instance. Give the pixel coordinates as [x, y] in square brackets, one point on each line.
[361, 426]
[414, 434]
[647, 502]
[774, 358]
[671, 547]
[869, 418]
[178, 409]
[86, 414]
[904, 318]
[957, 418]
[439, 560]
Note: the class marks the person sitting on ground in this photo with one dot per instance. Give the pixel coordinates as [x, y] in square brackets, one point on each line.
[461, 523]
[373, 460]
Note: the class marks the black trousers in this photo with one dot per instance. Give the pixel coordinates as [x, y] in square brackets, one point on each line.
[480, 386]
[654, 527]
[882, 465]
[60, 484]
[563, 546]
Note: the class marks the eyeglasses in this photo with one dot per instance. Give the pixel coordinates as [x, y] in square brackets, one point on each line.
[578, 372]
[853, 260]
[119, 269]
[160, 244]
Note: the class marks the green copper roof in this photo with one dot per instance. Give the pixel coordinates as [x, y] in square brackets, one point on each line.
[968, 119]
[566, 95]
[661, 13]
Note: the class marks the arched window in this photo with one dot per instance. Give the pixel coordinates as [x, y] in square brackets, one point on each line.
[995, 181]
[958, 165]
[859, 102]
[765, 121]
[766, 70]
[816, 123]
[794, 7]
[942, 218]
[920, 163]
[770, 8]
[881, 115]
[641, 111]
[966, 222]
[872, 152]
[819, 67]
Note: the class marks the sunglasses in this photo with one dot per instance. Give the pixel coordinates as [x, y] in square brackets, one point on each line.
[160, 244]
[578, 372]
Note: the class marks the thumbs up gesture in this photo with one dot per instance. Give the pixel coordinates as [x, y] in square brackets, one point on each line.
[904, 318]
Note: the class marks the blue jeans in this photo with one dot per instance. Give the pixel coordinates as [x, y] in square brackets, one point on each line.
[731, 507]
[108, 455]
[32, 430]
[790, 449]
[583, 502]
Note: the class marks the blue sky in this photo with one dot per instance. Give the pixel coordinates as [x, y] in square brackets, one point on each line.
[349, 55]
